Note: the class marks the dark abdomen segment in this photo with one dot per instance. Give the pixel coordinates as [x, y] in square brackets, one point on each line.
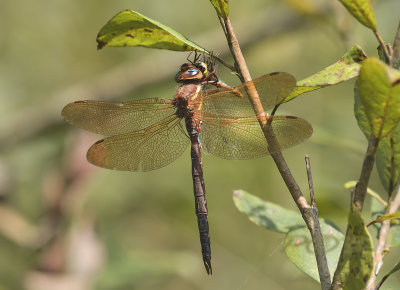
[200, 198]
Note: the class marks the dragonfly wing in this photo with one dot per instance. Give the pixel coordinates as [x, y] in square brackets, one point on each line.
[234, 101]
[144, 150]
[109, 119]
[242, 138]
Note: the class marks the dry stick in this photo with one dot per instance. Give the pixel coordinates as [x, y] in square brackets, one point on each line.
[316, 237]
[310, 182]
[392, 207]
[301, 202]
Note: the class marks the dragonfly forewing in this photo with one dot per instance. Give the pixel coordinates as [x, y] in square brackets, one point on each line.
[242, 138]
[272, 89]
[145, 150]
[110, 119]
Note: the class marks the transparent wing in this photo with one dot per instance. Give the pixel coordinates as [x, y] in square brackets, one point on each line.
[144, 150]
[242, 138]
[109, 119]
[272, 89]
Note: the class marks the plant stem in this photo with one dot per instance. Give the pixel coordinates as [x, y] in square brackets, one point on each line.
[360, 192]
[384, 47]
[368, 164]
[393, 205]
[220, 60]
[306, 210]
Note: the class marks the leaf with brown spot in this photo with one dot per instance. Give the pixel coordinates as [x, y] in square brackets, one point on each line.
[130, 28]
[362, 11]
[356, 260]
[346, 68]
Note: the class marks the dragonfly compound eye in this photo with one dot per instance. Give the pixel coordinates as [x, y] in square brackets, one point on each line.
[192, 72]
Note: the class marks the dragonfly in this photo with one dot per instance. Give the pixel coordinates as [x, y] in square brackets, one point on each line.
[147, 134]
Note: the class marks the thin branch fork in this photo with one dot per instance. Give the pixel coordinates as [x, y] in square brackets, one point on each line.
[306, 210]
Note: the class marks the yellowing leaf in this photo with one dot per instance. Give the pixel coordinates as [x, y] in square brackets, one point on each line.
[346, 68]
[362, 11]
[378, 210]
[395, 215]
[130, 28]
[379, 90]
[222, 7]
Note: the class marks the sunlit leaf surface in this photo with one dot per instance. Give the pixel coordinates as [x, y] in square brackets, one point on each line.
[222, 7]
[362, 11]
[379, 90]
[130, 28]
[395, 215]
[346, 68]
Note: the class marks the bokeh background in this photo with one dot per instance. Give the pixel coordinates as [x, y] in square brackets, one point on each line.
[65, 224]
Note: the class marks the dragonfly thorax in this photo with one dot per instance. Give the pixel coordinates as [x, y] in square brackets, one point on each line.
[187, 99]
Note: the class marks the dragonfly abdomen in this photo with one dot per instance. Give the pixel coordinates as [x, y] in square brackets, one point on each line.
[194, 129]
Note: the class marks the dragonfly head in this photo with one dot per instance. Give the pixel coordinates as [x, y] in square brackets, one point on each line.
[192, 72]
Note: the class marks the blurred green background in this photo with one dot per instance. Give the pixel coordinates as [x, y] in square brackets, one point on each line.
[65, 224]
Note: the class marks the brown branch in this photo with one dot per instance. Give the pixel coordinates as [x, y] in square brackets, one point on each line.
[396, 49]
[359, 194]
[368, 164]
[310, 182]
[316, 236]
[382, 44]
[309, 217]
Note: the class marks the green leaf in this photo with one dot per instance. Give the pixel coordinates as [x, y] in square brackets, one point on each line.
[299, 249]
[379, 89]
[267, 214]
[392, 216]
[359, 112]
[362, 11]
[346, 68]
[298, 244]
[356, 261]
[130, 28]
[377, 210]
[388, 159]
[394, 269]
[222, 7]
